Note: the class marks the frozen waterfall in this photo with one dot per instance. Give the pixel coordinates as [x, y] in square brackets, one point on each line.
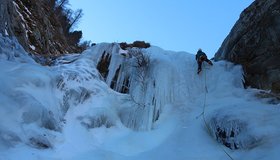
[111, 103]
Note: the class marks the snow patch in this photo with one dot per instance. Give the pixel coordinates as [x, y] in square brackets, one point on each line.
[32, 47]
[6, 27]
[22, 18]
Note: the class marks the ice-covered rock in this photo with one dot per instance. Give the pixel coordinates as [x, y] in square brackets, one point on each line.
[11, 50]
[233, 132]
[243, 127]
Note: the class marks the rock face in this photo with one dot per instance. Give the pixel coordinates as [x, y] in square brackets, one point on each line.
[254, 42]
[37, 27]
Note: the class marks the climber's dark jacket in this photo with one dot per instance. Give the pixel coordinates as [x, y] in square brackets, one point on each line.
[200, 57]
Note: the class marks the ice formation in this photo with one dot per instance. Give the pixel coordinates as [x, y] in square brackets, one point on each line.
[140, 104]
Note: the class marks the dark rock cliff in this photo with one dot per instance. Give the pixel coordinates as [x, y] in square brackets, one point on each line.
[38, 27]
[254, 42]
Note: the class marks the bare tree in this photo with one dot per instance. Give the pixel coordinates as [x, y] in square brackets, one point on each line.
[141, 65]
[62, 3]
[76, 18]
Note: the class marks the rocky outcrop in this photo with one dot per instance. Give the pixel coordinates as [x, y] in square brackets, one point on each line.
[138, 44]
[38, 27]
[254, 42]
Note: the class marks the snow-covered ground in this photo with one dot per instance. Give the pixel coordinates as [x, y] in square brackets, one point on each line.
[68, 112]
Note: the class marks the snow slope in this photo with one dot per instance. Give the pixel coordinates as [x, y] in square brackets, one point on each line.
[68, 112]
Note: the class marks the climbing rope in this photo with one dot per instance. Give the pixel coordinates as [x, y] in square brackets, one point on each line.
[203, 112]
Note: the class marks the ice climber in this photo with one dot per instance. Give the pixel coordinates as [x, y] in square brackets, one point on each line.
[200, 57]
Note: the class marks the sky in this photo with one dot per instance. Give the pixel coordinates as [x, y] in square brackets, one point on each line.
[178, 25]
